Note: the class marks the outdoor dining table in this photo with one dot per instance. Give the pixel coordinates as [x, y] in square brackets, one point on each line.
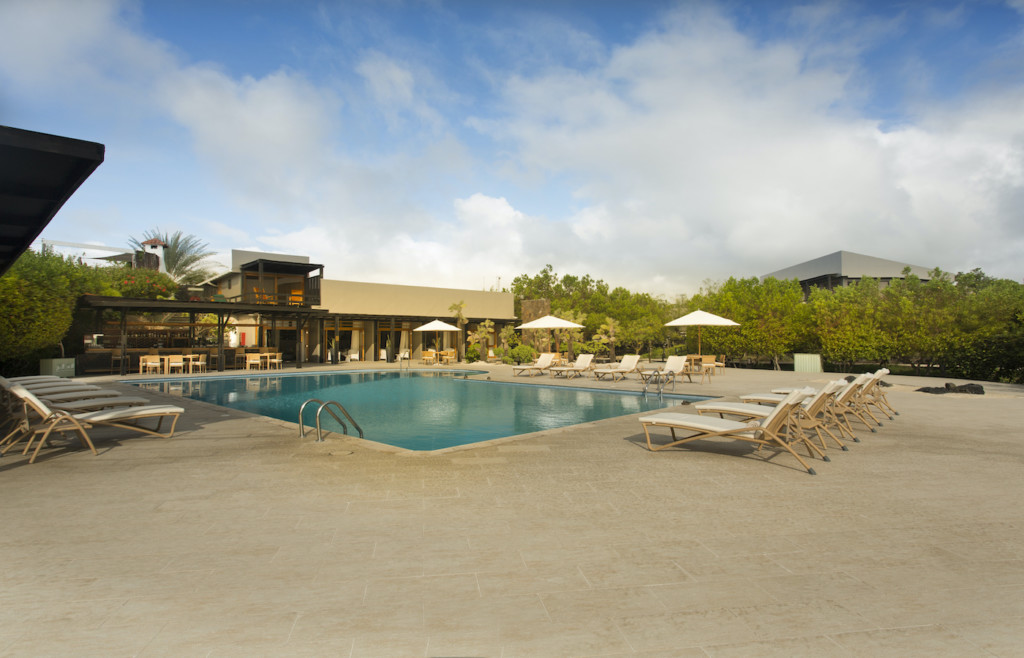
[188, 360]
[265, 358]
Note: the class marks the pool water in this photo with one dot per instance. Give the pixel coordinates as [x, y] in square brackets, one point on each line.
[417, 410]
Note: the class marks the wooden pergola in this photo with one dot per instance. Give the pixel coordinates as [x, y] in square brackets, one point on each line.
[222, 310]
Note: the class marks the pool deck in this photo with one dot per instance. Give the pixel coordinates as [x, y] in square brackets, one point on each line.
[236, 537]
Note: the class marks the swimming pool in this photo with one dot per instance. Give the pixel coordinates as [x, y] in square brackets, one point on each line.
[422, 410]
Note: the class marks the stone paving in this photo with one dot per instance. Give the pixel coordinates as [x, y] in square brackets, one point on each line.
[235, 537]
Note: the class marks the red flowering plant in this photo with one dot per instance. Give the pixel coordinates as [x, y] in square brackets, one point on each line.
[147, 284]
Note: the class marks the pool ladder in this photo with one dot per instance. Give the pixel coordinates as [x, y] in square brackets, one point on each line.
[661, 377]
[327, 405]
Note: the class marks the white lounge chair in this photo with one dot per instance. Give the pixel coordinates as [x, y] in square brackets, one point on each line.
[70, 396]
[581, 365]
[543, 363]
[675, 366]
[811, 414]
[40, 420]
[872, 395]
[48, 384]
[619, 371]
[765, 432]
[94, 404]
[28, 379]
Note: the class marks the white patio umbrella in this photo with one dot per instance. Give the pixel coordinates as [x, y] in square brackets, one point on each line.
[437, 326]
[551, 322]
[699, 319]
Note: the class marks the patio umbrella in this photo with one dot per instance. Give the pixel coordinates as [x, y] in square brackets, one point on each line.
[699, 319]
[551, 322]
[437, 326]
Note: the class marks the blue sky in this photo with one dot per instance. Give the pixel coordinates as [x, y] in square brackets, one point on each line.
[655, 145]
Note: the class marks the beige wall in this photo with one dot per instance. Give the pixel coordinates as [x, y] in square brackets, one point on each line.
[386, 299]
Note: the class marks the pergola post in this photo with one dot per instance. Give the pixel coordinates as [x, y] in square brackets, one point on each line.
[222, 322]
[124, 342]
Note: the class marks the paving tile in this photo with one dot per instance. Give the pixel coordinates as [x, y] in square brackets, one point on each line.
[693, 596]
[931, 641]
[800, 647]
[605, 603]
[999, 638]
[683, 629]
[554, 639]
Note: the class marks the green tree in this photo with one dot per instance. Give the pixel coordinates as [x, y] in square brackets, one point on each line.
[606, 334]
[772, 315]
[990, 314]
[183, 255]
[917, 319]
[481, 336]
[38, 294]
[457, 309]
[571, 338]
[845, 323]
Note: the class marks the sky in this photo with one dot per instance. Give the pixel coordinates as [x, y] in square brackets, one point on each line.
[658, 146]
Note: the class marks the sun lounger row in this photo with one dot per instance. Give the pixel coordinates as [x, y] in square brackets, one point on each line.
[784, 418]
[674, 367]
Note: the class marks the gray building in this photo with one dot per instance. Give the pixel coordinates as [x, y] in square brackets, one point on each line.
[843, 268]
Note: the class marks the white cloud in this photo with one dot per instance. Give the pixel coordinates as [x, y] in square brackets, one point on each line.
[699, 153]
[269, 138]
[398, 91]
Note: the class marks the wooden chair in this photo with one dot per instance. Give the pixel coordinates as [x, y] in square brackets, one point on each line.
[253, 361]
[149, 363]
[176, 362]
[275, 361]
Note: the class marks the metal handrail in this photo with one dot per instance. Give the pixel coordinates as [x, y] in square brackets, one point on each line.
[327, 405]
[660, 375]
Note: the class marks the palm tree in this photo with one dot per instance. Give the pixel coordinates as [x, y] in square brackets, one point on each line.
[460, 321]
[183, 255]
[606, 334]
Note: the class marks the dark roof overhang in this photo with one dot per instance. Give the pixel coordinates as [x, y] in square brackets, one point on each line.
[137, 305]
[279, 267]
[38, 174]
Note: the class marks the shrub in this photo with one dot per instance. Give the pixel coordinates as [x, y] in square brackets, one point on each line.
[522, 354]
[147, 284]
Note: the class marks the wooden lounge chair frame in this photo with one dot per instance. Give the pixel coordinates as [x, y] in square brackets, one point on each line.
[810, 415]
[577, 369]
[766, 432]
[537, 368]
[627, 365]
[39, 420]
[872, 395]
[675, 366]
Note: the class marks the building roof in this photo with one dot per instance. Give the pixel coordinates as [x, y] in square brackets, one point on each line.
[850, 265]
[279, 267]
[240, 257]
[38, 174]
